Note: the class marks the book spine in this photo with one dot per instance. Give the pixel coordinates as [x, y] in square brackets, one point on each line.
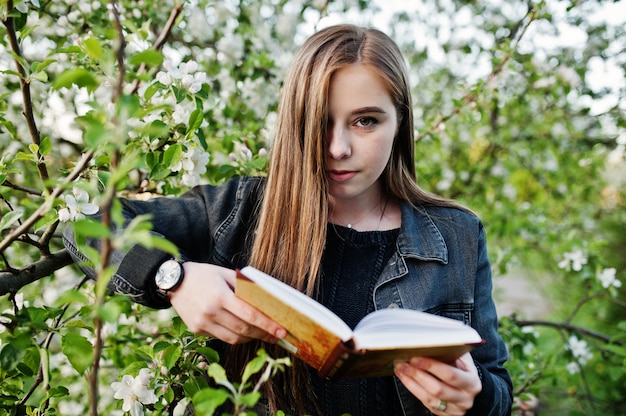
[335, 360]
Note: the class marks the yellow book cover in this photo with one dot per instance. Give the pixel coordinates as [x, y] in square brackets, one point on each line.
[321, 339]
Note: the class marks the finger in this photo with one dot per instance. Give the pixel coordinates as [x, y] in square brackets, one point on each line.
[248, 322]
[251, 321]
[452, 376]
[412, 378]
[434, 388]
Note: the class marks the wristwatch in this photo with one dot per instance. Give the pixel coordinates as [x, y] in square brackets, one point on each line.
[169, 276]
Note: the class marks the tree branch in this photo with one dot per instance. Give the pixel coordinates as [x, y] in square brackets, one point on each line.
[568, 327]
[26, 96]
[11, 282]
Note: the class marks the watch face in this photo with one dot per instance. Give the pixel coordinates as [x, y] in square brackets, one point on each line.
[169, 275]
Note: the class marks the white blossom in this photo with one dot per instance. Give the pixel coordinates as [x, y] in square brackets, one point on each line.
[573, 260]
[77, 206]
[193, 83]
[135, 391]
[19, 303]
[187, 75]
[231, 48]
[193, 166]
[22, 5]
[181, 113]
[180, 408]
[164, 78]
[608, 279]
[579, 349]
[572, 368]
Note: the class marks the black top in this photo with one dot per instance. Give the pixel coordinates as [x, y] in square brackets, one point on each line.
[351, 265]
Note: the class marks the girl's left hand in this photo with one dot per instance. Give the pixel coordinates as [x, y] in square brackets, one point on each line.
[443, 388]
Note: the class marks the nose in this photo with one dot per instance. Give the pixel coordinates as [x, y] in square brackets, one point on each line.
[338, 142]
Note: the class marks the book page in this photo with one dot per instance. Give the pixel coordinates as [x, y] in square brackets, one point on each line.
[403, 328]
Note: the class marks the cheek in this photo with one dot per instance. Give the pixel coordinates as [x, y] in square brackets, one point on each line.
[379, 155]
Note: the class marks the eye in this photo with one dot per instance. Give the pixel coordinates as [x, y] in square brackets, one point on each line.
[366, 122]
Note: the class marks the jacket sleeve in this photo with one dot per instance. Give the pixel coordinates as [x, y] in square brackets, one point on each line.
[496, 395]
[192, 222]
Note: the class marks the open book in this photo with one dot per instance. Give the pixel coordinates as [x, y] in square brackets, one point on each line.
[321, 339]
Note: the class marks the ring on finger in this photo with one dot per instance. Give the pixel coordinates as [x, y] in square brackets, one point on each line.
[441, 407]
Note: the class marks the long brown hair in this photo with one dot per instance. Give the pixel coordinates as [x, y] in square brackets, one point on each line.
[291, 231]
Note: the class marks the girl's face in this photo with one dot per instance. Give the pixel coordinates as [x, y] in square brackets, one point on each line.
[362, 124]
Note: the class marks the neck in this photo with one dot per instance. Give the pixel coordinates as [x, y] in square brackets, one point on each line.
[358, 216]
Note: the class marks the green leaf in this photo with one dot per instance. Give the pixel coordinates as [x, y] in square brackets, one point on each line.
[58, 391]
[21, 156]
[172, 155]
[194, 384]
[110, 312]
[195, 120]
[78, 351]
[159, 171]
[10, 356]
[37, 315]
[169, 394]
[217, 373]
[171, 355]
[40, 76]
[93, 48]
[45, 147]
[76, 76]
[96, 134]
[89, 228]
[148, 57]
[163, 244]
[156, 129]
[127, 106]
[25, 370]
[209, 353]
[9, 219]
[71, 296]
[254, 366]
[40, 66]
[206, 401]
[250, 399]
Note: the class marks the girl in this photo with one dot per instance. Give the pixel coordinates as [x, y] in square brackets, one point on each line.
[340, 217]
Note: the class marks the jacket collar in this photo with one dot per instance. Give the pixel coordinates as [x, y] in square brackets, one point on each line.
[419, 235]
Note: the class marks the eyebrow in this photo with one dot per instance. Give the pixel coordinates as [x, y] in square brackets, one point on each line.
[365, 110]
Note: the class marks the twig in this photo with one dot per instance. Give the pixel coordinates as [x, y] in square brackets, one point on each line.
[160, 41]
[119, 53]
[9, 184]
[568, 327]
[41, 211]
[46, 344]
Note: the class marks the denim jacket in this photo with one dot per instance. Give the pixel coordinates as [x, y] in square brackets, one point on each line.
[440, 266]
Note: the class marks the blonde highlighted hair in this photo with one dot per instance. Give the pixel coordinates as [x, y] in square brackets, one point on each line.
[292, 226]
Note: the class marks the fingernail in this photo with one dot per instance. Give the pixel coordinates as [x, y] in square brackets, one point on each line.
[401, 368]
[280, 333]
[416, 361]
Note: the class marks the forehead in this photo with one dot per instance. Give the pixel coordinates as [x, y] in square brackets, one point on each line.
[358, 85]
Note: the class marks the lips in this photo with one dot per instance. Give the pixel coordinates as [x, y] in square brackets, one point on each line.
[340, 175]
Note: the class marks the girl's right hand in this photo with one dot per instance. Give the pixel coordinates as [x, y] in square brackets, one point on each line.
[206, 302]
